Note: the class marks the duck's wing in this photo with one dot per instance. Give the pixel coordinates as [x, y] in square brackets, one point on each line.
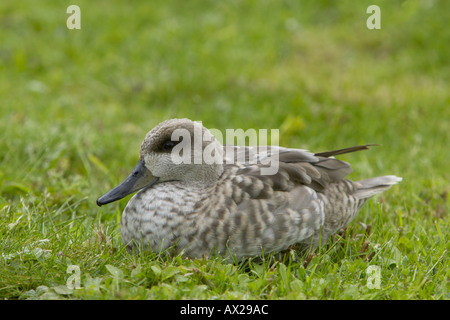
[345, 150]
[291, 167]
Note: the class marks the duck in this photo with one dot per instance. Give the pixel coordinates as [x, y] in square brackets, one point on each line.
[197, 196]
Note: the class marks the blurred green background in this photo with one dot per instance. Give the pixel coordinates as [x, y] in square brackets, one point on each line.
[310, 68]
[76, 104]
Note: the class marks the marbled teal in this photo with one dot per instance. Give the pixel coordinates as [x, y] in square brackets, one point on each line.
[230, 207]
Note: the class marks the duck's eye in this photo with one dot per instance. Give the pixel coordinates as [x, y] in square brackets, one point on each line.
[168, 145]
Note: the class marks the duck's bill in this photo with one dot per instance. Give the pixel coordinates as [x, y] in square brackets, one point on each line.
[139, 178]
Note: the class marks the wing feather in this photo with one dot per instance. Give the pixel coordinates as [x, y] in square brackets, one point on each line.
[295, 166]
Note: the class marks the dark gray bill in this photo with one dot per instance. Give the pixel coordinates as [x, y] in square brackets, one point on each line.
[139, 178]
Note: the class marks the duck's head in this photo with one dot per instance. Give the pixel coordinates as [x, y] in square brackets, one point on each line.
[174, 150]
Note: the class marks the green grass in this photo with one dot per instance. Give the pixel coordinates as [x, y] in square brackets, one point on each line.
[76, 104]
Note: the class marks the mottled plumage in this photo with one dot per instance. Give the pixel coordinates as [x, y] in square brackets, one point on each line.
[231, 208]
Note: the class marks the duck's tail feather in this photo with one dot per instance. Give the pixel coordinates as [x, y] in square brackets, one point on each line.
[372, 186]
